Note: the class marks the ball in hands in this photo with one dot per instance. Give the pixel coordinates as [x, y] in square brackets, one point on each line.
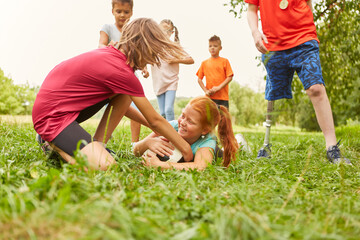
[175, 157]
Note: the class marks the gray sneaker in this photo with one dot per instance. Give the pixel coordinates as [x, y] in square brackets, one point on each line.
[265, 151]
[39, 139]
[45, 147]
[334, 155]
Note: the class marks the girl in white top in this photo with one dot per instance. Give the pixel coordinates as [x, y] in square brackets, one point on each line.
[166, 77]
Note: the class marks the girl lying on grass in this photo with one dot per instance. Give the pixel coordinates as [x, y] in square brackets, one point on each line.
[79, 87]
[196, 126]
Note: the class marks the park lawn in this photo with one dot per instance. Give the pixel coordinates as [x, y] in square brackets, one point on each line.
[296, 194]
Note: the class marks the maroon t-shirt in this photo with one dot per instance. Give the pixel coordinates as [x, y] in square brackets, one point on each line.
[78, 83]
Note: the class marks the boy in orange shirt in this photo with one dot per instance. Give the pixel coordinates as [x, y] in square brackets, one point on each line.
[218, 74]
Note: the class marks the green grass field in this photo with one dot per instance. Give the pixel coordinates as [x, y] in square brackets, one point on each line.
[296, 194]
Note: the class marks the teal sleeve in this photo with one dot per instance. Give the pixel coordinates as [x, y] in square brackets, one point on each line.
[174, 124]
[208, 141]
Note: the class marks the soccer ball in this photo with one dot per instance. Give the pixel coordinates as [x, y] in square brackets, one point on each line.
[175, 157]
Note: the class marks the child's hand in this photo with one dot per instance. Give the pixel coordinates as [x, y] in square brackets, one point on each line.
[112, 43]
[150, 159]
[215, 89]
[258, 39]
[161, 146]
[208, 92]
[212, 91]
[172, 61]
[145, 73]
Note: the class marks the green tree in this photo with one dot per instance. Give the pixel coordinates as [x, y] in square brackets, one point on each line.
[246, 106]
[180, 104]
[15, 99]
[339, 31]
[287, 110]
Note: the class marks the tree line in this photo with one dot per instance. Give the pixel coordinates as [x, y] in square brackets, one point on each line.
[16, 99]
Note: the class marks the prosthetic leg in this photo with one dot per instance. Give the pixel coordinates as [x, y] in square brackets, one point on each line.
[265, 151]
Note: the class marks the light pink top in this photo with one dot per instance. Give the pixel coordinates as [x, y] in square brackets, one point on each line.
[165, 77]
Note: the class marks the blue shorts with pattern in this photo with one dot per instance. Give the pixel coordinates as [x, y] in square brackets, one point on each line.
[281, 65]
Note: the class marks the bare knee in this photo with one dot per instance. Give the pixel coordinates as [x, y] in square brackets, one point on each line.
[315, 91]
[97, 156]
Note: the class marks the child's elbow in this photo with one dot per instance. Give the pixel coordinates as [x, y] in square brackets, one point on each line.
[202, 165]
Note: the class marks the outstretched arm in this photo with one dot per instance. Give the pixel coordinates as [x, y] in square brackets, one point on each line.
[252, 17]
[135, 115]
[187, 60]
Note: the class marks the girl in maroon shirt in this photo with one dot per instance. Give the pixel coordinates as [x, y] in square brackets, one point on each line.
[79, 87]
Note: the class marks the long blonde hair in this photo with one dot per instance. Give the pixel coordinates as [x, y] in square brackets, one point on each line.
[143, 41]
[212, 116]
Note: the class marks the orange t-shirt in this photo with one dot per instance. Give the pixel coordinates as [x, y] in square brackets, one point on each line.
[286, 28]
[216, 70]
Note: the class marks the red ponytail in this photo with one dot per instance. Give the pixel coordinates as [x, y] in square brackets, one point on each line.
[226, 136]
[212, 116]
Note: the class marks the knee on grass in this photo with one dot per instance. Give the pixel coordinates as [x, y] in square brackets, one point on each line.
[97, 156]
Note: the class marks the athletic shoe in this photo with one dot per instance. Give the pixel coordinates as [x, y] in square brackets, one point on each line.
[265, 151]
[133, 145]
[39, 139]
[242, 143]
[47, 149]
[45, 146]
[334, 155]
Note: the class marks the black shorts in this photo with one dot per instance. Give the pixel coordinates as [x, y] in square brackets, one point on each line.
[69, 138]
[224, 103]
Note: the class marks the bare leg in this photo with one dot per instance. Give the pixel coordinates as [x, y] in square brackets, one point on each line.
[320, 101]
[265, 151]
[114, 112]
[135, 130]
[98, 157]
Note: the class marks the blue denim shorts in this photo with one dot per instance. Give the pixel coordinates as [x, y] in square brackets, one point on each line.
[281, 66]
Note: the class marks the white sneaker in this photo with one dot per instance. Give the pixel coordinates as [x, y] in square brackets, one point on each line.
[242, 142]
[133, 145]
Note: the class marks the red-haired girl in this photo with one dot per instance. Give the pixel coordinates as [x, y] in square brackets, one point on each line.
[196, 126]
